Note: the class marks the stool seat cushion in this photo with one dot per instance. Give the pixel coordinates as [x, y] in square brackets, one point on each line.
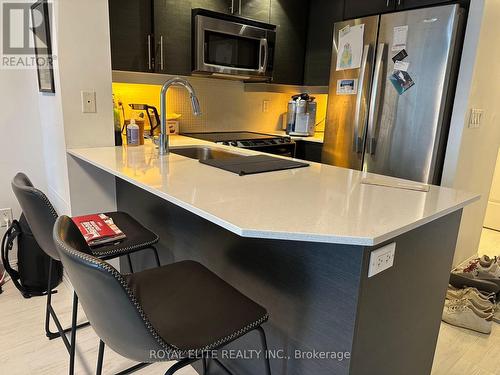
[191, 308]
[137, 237]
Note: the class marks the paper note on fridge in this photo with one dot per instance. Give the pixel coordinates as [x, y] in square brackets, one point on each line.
[400, 37]
[401, 65]
[347, 86]
[350, 47]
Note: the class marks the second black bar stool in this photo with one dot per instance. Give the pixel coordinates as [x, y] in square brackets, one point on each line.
[41, 217]
[160, 317]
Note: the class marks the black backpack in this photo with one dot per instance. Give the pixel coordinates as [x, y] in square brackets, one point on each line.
[33, 263]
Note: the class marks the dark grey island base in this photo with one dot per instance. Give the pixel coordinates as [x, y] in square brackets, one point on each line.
[318, 295]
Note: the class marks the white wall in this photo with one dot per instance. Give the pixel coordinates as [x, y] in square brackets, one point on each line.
[20, 133]
[82, 46]
[492, 219]
[471, 153]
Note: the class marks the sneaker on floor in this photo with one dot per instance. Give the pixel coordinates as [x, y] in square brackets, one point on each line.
[473, 295]
[488, 267]
[462, 313]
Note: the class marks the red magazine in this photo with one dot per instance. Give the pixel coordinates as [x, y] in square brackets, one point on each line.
[98, 229]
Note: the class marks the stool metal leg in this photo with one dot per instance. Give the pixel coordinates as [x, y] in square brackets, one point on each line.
[50, 313]
[155, 252]
[205, 365]
[130, 263]
[180, 364]
[263, 340]
[100, 356]
[73, 335]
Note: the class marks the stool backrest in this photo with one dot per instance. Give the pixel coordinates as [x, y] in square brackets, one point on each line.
[111, 307]
[38, 211]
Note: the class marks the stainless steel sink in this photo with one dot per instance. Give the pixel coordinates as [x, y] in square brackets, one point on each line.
[203, 152]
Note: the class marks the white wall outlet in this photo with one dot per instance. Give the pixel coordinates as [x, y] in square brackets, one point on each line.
[475, 118]
[265, 106]
[5, 217]
[89, 102]
[381, 259]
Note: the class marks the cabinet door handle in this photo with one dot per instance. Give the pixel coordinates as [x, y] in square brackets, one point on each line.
[149, 52]
[399, 2]
[162, 60]
[387, 3]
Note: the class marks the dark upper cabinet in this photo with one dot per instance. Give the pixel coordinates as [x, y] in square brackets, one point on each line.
[172, 30]
[408, 4]
[131, 35]
[361, 8]
[155, 35]
[322, 16]
[259, 10]
[290, 16]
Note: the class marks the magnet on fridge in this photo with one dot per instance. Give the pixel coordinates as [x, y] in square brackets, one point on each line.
[347, 86]
[401, 81]
[400, 56]
[400, 36]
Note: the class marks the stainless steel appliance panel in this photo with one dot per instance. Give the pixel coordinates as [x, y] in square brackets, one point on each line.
[231, 49]
[347, 114]
[404, 130]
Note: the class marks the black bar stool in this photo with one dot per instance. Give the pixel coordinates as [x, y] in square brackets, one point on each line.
[41, 217]
[157, 311]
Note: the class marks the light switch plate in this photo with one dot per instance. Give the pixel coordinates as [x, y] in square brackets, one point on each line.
[88, 102]
[382, 259]
[475, 118]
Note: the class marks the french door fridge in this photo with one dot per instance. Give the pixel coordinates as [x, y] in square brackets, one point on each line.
[391, 92]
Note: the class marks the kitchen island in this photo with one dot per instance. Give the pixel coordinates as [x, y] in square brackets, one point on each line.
[299, 243]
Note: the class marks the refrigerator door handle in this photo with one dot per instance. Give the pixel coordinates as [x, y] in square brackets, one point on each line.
[358, 139]
[375, 101]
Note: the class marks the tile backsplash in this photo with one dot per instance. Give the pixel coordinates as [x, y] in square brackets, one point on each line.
[225, 105]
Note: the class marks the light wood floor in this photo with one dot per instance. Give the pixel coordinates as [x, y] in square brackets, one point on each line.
[463, 352]
[24, 349]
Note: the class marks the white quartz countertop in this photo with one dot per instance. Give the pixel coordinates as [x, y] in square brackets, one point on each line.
[320, 203]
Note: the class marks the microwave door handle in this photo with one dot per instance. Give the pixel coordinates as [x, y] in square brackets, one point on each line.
[263, 55]
[375, 101]
[357, 139]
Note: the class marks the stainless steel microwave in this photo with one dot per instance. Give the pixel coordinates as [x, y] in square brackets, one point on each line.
[227, 46]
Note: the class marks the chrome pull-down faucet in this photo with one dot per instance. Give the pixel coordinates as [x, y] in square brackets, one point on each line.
[195, 104]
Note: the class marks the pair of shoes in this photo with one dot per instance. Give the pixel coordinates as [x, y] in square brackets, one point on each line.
[484, 269]
[481, 300]
[463, 313]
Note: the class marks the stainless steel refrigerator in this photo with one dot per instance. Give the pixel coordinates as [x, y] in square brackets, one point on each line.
[393, 121]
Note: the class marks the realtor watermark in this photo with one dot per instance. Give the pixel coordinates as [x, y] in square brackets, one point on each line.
[234, 354]
[25, 35]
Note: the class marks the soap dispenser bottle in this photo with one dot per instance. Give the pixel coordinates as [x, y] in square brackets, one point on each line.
[133, 134]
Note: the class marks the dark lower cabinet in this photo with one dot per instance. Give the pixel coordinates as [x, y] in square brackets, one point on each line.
[310, 151]
[131, 35]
